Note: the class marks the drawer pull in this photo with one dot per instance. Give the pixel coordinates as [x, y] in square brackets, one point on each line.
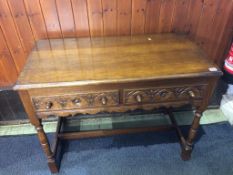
[163, 94]
[49, 105]
[63, 103]
[37, 105]
[104, 100]
[76, 101]
[82, 100]
[191, 94]
[139, 98]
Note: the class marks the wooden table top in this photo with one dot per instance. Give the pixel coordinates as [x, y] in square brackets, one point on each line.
[64, 62]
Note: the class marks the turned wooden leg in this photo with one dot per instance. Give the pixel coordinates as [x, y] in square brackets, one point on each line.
[188, 146]
[25, 98]
[46, 148]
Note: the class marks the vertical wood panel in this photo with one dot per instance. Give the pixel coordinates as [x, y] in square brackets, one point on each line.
[51, 18]
[180, 15]
[65, 14]
[81, 17]
[110, 17]
[22, 23]
[221, 49]
[219, 28]
[8, 72]
[3, 75]
[204, 31]
[138, 16]
[36, 19]
[124, 17]
[194, 13]
[95, 14]
[152, 16]
[165, 18]
[10, 32]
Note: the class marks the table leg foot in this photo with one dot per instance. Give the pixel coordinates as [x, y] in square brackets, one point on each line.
[186, 153]
[46, 147]
[53, 167]
[186, 148]
[188, 145]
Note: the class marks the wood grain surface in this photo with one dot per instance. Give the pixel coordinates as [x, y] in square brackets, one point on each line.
[22, 22]
[115, 74]
[115, 59]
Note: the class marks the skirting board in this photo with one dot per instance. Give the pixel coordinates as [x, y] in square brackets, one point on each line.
[183, 118]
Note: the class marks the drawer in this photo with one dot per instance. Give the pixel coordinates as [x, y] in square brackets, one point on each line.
[74, 101]
[167, 94]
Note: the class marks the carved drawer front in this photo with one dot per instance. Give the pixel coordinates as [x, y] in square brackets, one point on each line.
[167, 94]
[74, 101]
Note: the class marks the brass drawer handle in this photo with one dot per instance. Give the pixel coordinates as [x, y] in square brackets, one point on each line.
[191, 94]
[37, 105]
[76, 101]
[49, 105]
[104, 100]
[63, 103]
[139, 98]
[163, 94]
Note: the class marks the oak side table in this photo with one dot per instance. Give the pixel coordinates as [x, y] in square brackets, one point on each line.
[66, 77]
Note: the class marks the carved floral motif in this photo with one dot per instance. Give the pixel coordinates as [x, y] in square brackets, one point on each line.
[94, 100]
[150, 95]
[85, 100]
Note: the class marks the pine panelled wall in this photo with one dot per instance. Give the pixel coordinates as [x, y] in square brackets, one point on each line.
[22, 22]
